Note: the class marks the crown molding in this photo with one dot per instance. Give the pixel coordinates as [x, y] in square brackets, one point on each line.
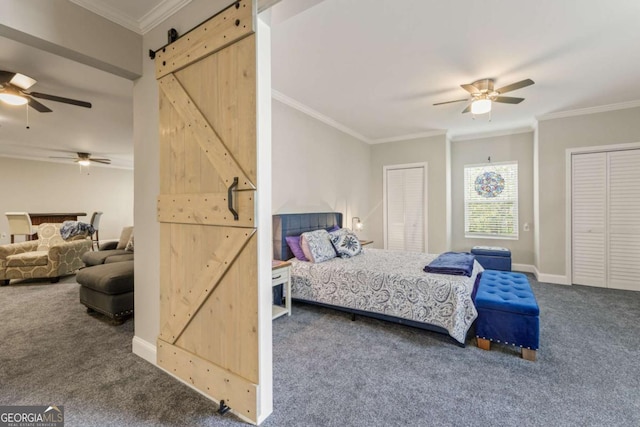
[494, 133]
[279, 96]
[159, 13]
[589, 110]
[151, 19]
[426, 134]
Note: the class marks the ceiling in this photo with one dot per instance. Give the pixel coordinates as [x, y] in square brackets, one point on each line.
[105, 130]
[376, 68]
[373, 72]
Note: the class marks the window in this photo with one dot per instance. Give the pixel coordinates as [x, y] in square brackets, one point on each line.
[491, 200]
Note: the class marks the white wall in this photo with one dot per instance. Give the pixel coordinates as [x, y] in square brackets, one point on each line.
[555, 136]
[517, 147]
[38, 186]
[317, 168]
[71, 31]
[431, 150]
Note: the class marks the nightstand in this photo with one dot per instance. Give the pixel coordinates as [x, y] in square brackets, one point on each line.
[281, 275]
[366, 242]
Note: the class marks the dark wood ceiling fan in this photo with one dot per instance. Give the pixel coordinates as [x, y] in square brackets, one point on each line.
[14, 90]
[483, 94]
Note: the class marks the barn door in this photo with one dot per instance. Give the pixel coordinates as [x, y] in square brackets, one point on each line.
[209, 284]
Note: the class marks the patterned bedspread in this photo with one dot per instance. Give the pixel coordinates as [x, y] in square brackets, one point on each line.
[390, 283]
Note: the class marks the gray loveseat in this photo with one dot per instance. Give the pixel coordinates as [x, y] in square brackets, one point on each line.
[106, 283]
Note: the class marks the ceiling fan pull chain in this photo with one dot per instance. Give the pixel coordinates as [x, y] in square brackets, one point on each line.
[27, 108]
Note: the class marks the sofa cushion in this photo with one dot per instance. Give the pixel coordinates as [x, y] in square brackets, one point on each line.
[49, 235]
[119, 258]
[28, 259]
[124, 237]
[112, 279]
[98, 257]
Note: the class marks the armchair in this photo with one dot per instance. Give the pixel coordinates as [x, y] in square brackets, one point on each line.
[48, 257]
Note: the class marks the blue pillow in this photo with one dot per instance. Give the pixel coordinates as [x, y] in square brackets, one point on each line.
[294, 244]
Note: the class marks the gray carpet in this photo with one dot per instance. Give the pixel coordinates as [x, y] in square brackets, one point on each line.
[330, 371]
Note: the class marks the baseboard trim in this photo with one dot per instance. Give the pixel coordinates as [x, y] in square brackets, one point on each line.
[524, 268]
[144, 349]
[556, 279]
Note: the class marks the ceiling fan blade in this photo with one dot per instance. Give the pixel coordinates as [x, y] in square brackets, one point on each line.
[38, 106]
[58, 157]
[470, 88]
[61, 99]
[449, 102]
[466, 110]
[508, 99]
[514, 86]
[6, 76]
[103, 161]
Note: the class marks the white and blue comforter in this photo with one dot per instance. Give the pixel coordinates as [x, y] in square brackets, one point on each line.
[392, 283]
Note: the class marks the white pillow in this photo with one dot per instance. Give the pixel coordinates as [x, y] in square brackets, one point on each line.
[317, 246]
[346, 243]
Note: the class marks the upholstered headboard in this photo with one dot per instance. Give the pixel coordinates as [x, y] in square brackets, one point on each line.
[295, 224]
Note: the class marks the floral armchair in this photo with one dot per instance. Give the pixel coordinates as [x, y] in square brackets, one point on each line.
[48, 257]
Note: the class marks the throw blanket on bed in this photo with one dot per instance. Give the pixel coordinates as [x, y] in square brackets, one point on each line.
[454, 263]
[75, 228]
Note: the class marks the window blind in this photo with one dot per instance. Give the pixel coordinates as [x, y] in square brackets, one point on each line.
[491, 200]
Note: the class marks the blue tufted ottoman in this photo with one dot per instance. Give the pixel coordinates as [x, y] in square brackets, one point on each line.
[507, 312]
[493, 257]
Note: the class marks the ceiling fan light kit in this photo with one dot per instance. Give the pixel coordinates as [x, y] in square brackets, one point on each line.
[11, 98]
[481, 106]
[483, 95]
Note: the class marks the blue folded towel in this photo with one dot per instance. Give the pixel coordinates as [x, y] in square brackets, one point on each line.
[454, 263]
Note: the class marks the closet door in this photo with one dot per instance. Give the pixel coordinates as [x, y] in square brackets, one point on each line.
[589, 211]
[605, 219]
[405, 208]
[624, 220]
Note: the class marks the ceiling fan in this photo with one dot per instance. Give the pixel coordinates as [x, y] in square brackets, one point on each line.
[85, 159]
[483, 95]
[14, 90]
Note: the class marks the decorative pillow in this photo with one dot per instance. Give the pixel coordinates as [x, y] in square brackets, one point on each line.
[334, 228]
[317, 246]
[124, 237]
[294, 244]
[129, 246]
[346, 244]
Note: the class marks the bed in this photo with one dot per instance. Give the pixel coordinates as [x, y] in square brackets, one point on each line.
[388, 285]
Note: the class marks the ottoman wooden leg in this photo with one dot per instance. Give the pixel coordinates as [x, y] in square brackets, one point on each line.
[484, 344]
[528, 354]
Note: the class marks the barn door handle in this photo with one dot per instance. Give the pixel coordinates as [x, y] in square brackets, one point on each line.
[230, 198]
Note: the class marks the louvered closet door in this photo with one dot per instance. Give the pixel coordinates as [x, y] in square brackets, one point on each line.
[589, 182]
[606, 219]
[405, 209]
[624, 220]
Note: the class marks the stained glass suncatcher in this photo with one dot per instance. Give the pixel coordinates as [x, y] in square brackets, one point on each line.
[489, 184]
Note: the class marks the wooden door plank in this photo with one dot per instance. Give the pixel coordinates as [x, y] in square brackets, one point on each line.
[213, 380]
[225, 329]
[223, 87]
[229, 26]
[213, 147]
[187, 304]
[166, 291]
[207, 208]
